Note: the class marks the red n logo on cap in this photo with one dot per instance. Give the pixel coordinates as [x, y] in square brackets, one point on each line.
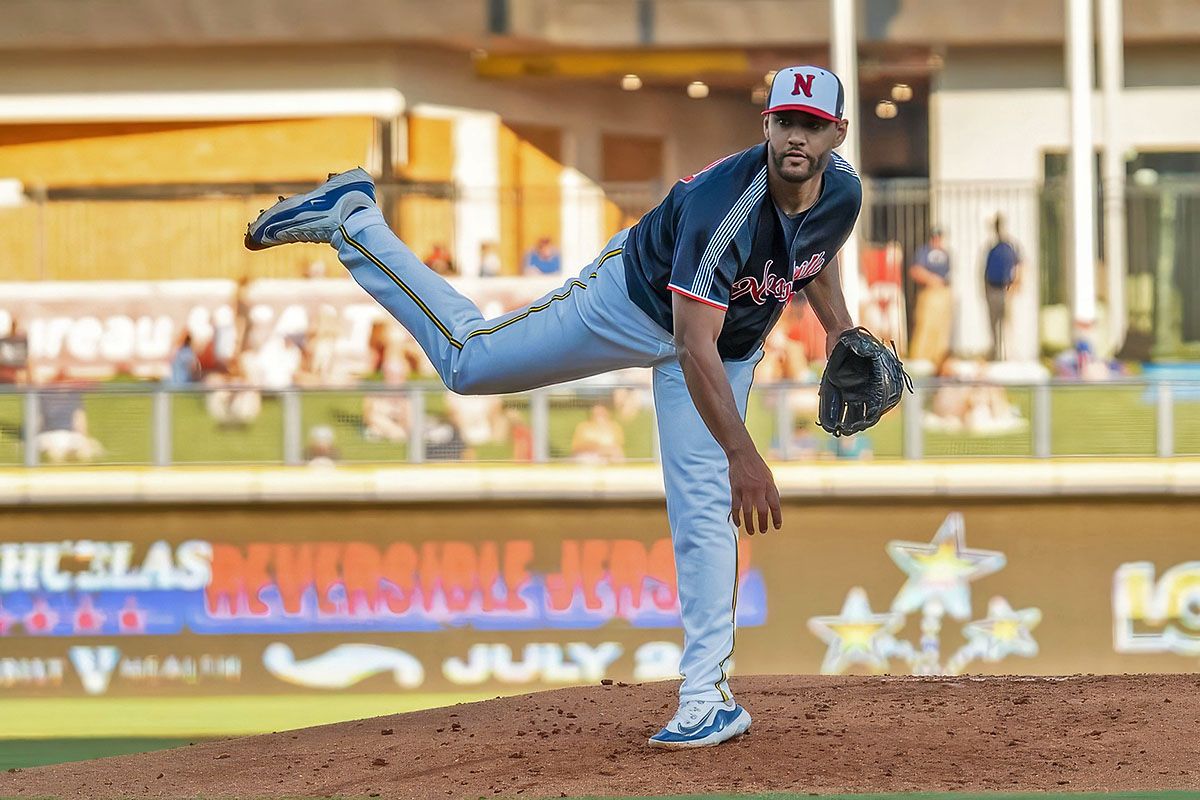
[803, 84]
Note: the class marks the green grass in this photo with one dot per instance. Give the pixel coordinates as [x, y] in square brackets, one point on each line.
[1087, 420]
[22, 753]
[942, 796]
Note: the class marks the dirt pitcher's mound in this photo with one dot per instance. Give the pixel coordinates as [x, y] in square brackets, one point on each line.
[810, 734]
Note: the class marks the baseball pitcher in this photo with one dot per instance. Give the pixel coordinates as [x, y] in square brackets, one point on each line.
[691, 292]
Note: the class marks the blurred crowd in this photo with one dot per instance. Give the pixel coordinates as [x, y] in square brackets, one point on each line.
[245, 354]
[541, 259]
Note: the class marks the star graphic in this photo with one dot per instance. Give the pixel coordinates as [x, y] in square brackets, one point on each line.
[857, 635]
[1004, 632]
[131, 619]
[88, 618]
[41, 618]
[938, 572]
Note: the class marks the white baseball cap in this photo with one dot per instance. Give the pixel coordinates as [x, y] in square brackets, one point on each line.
[807, 88]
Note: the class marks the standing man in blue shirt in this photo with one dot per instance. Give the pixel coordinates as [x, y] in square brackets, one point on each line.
[1001, 276]
[690, 291]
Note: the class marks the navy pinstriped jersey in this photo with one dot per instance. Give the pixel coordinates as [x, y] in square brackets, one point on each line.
[718, 238]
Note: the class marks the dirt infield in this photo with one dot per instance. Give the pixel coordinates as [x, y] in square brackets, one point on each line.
[810, 734]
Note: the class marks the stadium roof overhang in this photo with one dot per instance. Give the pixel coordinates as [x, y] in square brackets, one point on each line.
[164, 106]
[732, 69]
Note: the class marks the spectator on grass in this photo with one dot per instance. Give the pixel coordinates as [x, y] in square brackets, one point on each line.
[479, 418]
[63, 428]
[598, 439]
[321, 450]
[520, 434]
[856, 447]
[444, 442]
[965, 404]
[230, 401]
[185, 366]
[805, 445]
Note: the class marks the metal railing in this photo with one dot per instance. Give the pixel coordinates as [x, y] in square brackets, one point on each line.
[145, 424]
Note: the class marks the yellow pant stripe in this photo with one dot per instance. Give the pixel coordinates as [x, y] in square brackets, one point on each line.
[403, 287]
[545, 305]
[483, 331]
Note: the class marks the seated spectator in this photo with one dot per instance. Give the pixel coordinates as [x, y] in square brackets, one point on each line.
[856, 446]
[520, 434]
[385, 417]
[805, 445]
[628, 402]
[444, 442]
[185, 366]
[321, 450]
[63, 428]
[479, 418]
[232, 403]
[964, 405]
[543, 259]
[440, 261]
[598, 439]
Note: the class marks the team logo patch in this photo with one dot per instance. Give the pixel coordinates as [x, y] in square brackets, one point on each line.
[771, 286]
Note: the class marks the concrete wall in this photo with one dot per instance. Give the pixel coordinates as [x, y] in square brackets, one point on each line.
[993, 116]
[996, 112]
[35, 25]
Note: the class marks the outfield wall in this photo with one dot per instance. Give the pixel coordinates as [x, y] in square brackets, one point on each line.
[223, 596]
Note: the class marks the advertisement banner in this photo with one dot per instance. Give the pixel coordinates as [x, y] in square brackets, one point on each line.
[274, 599]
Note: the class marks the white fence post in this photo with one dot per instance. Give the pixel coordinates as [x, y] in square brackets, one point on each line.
[1165, 421]
[1041, 421]
[539, 412]
[912, 412]
[783, 423]
[162, 428]
[289, 400]
[30, 429]
[416, 427]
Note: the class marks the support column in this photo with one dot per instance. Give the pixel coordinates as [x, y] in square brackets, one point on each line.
[1112, 82]
[1083, 218]
[843, 43]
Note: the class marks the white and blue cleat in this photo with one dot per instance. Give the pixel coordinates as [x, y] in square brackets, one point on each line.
[313, 216]
[700, 723]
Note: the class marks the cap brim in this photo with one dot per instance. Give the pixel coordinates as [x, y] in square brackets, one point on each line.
[816, 112]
